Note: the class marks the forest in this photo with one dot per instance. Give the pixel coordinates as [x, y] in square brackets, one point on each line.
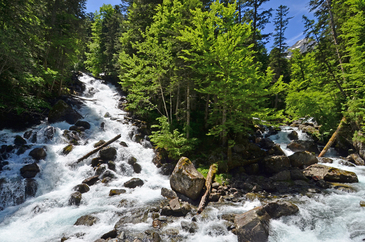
[196, 70]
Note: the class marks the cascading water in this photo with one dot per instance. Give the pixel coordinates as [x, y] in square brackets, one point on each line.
[47, 216]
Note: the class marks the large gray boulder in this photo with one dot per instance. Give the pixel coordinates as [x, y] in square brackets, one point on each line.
[275, 164]
[108, 153]
[29, 171]
[133, 183]
[303, 145]
[38, 153]
[302, 159]
[330, 174]
[86, 220]
[61, 111]
[279, 209]
[186, 180]
[253, 225]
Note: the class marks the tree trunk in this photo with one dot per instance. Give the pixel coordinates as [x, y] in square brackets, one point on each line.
[206, 112]
[208, 185]
[333, 138]
[188, 111]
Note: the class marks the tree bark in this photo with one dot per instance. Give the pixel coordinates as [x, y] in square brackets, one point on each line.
[333, 138]
[188, 111]
[208, 185]
[99, 148]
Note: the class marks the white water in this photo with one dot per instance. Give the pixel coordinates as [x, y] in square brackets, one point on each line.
[48, 217]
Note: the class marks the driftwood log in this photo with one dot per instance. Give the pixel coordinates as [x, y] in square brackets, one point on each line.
[333, 138]
[208, 185]
[99, 148]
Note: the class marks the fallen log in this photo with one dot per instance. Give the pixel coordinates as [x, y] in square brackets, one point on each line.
[332, 139]
[208, 185]
[99, 148]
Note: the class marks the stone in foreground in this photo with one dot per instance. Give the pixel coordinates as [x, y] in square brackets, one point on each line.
[186, 180]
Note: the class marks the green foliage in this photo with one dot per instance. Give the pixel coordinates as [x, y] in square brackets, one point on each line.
[172, 141]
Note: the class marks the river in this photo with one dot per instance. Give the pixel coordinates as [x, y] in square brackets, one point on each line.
[334, 216]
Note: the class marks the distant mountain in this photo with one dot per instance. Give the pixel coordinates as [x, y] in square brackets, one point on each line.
[303, 45]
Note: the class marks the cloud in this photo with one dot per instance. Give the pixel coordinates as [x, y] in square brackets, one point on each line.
[294, 39]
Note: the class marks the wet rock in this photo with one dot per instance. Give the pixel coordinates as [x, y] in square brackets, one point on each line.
[99, 143]
[330, 174]
[170, 194]
[124, 144]
[134, 216]
[49, 133]
[303, 145]
[190, 227]
[19, 141]
[23, 149]
[362, 203]
[342, 187]
[110, 235]
[137, 168]
[297, 174]
[75, 199]
[167, 169]
[100, 170]
[356, 159]
[114, 192]
[156, 224]
[177, 210]
[38, 154]
[31, 187]
[67, 149]
[29, 171]
[161, 157]
[82, 188]
[275, 164]
[111, 165]
[325, 160]
[252, 225]
[108, 153]
[71, 136]
[84, 124]
[302, 159]
[293, 135]
[186, 180]
[96, 162]
[61, 111]
[275, 150]
[108, 174]
[91, 180]
[134, 182]
[77, 128]
[279, 209]
[86, 220]
[282, 176]
[265, 143]
[28, 134]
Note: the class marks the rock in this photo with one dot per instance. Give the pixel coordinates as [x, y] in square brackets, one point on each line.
[325, 160]
[161, 157]
[293, 135]
[124, 144]
[167, 169]
[362, 203]
[279, 209]
[186, 180]
[178, 209]
[111, 234]
[71, 136]
[29, 171]
[96, 162]
[75, 199]
[134, 216]
[82, 188]
[99, 143]
[28, 134]
[132, 160]
[91, 180]
[137, 168]
[61, 111]
[303, 145]
[23, 149]
[67, 149]
[134, 182]
[356, 159]
[275, 150]
[297, 175]
[253, 225]
[86, 220]
[19, 141]
[84, 124]
[275, 164]
[170, 194]
[302, 159]
[190, 227]
[108, 153]
[38, 154]
[78, 129]
[100, 170]
[111, 165]
[49, 133]
[31, 187]
[330, 174]
[282, 176]
[114, 192]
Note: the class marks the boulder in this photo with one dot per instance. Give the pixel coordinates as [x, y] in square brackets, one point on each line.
[108, 153]
[303, 145]
[19, 141]
[91, 180]
[84, 124]
[356, 159]
[29, 171]
[282, 176]
[170, 194]
[38, 154]
[114, 192]
[31, 187]
[176, 209]
[49, 133]
[302, 159]
[109, 235]
[330, 174]
[61, 111]
[293, 135]
[134, 182]
[275, 164]
[190, 227]
[86, 220]
[111, 165]
[67, 149]
[253, 225]
[99, 143]
[75, 199]
[82, 188]
[124, 144]
[279, 209]
[186, 180]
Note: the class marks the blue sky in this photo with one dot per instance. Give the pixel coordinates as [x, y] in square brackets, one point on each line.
[293, 33]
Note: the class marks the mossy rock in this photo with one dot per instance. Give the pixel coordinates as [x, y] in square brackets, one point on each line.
[67, 149]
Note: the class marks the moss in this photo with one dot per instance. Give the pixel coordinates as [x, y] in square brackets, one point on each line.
[67, 149]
